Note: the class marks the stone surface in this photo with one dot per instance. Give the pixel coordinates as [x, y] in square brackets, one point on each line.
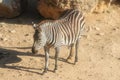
[54, 8]
[12, 8]
[102, 6]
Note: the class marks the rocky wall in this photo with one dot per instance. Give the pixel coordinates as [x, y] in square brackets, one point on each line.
[12, 8]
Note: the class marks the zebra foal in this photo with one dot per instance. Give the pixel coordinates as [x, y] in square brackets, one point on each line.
[56, 33]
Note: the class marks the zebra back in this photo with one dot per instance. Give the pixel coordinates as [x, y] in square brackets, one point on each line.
[70, 14]
[65, 30]
[70, 25]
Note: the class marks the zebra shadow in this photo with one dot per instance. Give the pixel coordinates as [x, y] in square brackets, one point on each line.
[8, 56]
[30, 54]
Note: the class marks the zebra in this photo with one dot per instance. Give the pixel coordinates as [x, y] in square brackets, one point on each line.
[56, 33]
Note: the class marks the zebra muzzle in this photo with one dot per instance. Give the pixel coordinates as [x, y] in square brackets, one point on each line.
[34, 51]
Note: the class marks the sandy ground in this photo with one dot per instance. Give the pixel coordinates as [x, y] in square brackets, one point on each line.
[99, 51]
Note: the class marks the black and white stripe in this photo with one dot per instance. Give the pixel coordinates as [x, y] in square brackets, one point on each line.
[55, 33]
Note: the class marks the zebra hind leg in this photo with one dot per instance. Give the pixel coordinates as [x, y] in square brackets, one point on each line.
[76, 49]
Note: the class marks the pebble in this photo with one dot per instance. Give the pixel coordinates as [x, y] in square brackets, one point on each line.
[26, 34]
[29, 40]
[118, 58]
[3, 39]
[18, 43]
[31, 59]
[101, 34]
[78, 78]
[48, 77]
[85, 36]
[0, 25]
[1, 74]
[24, 40]
[12, 31]
[20, 74]
[98, 29]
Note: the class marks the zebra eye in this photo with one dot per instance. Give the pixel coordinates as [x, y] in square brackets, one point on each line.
[39, 39]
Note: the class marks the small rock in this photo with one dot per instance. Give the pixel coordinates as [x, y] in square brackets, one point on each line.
[29, 40]
[26, 34]
[3, 39]
[31, 59]
[85, 36]
[98, 29]
[1, 74]
[101, 34]
[18, 42]
[118, 58]
[89, 75]
[78, 78]
[115, 29]
[20, 74]
[47, 77]
[0, 25]
[24, 40]
[12, 31]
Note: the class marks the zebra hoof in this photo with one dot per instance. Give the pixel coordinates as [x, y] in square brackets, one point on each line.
[75, 62]
[45, 71]
[55, 70]
[69, 60]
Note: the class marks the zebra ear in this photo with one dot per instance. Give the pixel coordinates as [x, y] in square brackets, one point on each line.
[34, 25]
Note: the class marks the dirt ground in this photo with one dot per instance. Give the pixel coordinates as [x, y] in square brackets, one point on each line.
[99, 51]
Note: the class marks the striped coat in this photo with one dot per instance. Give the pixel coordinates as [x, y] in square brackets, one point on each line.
[55, 33]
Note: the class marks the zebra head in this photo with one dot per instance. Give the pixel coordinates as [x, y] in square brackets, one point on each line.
[39, 38]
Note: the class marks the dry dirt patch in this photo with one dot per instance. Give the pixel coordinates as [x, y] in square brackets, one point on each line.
[99, 52]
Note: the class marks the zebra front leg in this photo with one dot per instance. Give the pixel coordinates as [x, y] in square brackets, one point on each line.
[56, 58]
[76, 51]
[69, 59]
[46, 59]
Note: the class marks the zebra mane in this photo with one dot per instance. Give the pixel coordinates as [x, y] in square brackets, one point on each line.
[68, 12]
[45, 21]
[34, 25]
